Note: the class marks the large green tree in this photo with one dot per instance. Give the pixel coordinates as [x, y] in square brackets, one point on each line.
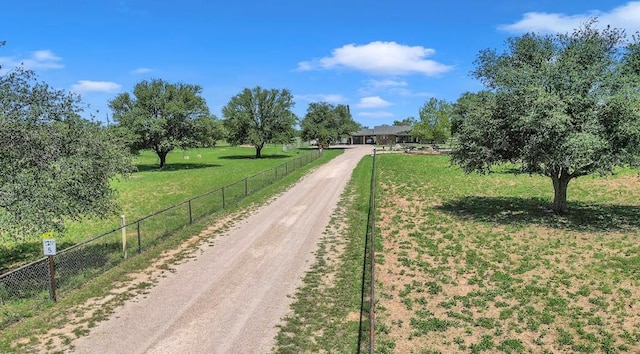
[562, 106]
[470, 104]
[56, 165]
[409, 121]
[435, 121]
[163, 116]
[208, 131]
[326, 123]
[258, 116]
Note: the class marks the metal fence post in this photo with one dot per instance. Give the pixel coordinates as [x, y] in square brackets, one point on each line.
[52, 279]
[123, 224]
[139, 243]
[223, 203]
[190, 214]
[246, 186]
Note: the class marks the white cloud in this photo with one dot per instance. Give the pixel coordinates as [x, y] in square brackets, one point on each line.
[386, 83]
[84, 86]
[375, 86]
[320, 97]
[305, 66]
[390, 87]
[401, 91]
[138, 71]
[40, 59]
[385, 58]
[372, 102]
[625, 16]
[379, 114]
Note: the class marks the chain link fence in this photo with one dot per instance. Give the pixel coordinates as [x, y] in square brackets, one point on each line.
[76, 264]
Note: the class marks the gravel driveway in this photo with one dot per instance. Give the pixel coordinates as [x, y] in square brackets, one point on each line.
[230, 298]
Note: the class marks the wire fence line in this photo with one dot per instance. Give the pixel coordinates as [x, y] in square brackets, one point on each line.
[366, 332]
[80, 262]
[372, 255]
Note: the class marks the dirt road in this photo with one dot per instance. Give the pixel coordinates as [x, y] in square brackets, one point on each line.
[230, 298]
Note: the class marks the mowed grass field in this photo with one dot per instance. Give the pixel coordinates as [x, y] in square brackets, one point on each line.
[187, 174]
[477, 263]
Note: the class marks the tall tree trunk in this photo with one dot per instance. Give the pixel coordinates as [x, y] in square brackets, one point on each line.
[560, 184]
[259, 150]
[163, 157]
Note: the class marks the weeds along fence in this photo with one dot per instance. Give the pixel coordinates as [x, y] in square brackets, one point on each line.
[76, 264]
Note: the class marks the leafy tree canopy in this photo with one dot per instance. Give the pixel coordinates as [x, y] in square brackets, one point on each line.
[409, 121]
[258, 116]
[163, 116]
[435, 121]
[562, 106]
[208, 131]
[327, 123]
[56, 165]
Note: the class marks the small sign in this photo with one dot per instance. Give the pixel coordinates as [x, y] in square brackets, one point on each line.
[49, 246]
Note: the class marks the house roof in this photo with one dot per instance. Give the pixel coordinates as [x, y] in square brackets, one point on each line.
[391, 129]
[363, 132]
[385, 130]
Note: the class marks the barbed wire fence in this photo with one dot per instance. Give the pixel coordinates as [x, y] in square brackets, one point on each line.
[80, 262]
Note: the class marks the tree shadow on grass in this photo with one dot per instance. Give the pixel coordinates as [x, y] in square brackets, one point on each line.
[331, 147]
[174, 167]
[509, 170]
[579, 217]
[253, 156]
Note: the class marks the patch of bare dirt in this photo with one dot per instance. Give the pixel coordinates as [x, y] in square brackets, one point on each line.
[571, 277]
[622, 182]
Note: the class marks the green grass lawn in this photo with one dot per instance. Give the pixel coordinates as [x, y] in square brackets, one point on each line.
[477, 263]
[186, 175]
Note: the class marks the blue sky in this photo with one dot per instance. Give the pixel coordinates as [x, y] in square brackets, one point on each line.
[384, 58]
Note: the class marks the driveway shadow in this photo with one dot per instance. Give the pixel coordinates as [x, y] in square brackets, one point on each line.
[579, 217]
[253, 156]
[174, 167]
